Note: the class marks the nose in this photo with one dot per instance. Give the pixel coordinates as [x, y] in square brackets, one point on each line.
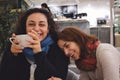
[36, 28]
[66, 52]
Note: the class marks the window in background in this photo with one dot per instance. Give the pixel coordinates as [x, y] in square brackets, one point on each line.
[68, 11]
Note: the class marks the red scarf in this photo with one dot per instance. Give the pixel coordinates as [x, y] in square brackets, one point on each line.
[88, 63]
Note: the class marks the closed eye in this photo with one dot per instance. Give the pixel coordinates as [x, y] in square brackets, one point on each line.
[31, 24]
[42, 25]
[66, 45]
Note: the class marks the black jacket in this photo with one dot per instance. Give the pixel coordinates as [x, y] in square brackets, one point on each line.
[55, 63]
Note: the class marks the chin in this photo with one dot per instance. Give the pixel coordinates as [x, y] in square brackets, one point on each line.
[76, 58]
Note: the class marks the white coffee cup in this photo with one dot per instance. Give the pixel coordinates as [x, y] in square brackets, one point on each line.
[23, 39]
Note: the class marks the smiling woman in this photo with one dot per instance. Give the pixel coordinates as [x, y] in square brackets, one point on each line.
[70, 48]
[92, 58]
[43, 52]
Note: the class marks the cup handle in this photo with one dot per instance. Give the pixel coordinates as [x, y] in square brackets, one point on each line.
[11, 40]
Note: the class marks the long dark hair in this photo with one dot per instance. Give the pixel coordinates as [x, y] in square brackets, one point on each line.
[21, 26]
[78, 36]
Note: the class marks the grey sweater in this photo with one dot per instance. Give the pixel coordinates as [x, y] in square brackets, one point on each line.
[108, 64]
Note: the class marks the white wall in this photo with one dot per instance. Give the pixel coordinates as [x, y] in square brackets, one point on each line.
[95, 9]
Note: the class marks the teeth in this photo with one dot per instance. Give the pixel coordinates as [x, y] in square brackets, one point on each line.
[39, 34]
[71, 54]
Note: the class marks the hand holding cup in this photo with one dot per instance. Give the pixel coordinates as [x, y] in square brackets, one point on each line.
[22, 40]
[18, 43]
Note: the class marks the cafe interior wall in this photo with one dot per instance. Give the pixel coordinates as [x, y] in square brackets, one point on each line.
[99, 9]
[95, 9]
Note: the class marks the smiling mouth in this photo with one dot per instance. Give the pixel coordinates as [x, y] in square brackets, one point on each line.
[39, 35]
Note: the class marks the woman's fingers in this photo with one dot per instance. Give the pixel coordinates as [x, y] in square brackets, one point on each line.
[31, 41]
[35, 45]
[54, 78]
[13, 35]
[34, 35]
[35, 42]
[15, 49]
[36, 48]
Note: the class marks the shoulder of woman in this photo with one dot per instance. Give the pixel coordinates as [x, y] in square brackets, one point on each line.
[107, 51]
[105, 47]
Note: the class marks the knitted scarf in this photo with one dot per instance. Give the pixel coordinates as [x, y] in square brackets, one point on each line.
[45, 45]
[88, 62]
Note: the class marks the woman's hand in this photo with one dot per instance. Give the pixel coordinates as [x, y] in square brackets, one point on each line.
[15, 49]
[54, 78]
[35, 43]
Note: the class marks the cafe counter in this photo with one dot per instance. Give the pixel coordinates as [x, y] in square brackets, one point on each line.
[81, 23]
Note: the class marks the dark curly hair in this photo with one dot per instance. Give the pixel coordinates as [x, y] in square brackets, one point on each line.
[21, 25]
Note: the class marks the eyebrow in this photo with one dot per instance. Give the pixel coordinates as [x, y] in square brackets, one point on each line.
[42, 21]
[39, 21]
[30, 21]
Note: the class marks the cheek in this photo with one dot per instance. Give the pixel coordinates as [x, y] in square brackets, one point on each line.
[46, 31]
[78, 54]
[28, 29]
[77, 51]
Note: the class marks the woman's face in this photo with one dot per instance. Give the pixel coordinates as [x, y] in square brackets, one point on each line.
[70, 48]
[38, 23]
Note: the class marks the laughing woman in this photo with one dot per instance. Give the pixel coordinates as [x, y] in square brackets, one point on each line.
[95, 60]
[45, 56]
